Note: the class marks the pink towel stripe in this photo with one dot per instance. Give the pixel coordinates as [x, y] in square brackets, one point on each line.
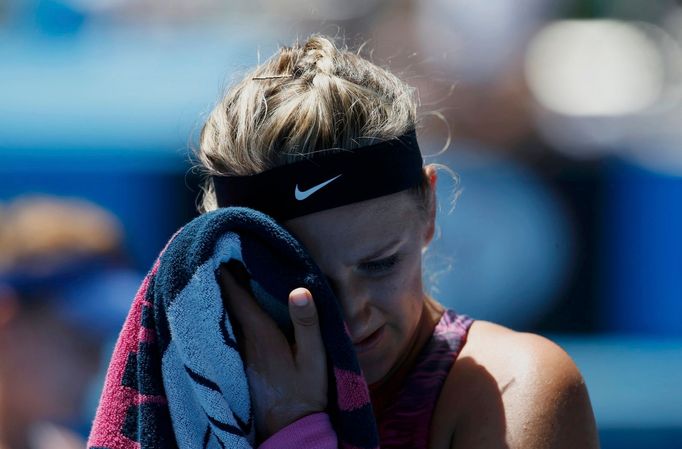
[146, 335]
[116, 399]
[348, 383]
[150, 399]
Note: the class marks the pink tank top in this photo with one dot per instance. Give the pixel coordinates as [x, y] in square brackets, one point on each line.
[406, 421]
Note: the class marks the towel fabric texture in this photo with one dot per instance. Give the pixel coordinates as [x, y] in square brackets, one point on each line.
[177, 378]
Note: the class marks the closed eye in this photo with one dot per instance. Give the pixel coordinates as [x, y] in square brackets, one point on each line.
[381, 265]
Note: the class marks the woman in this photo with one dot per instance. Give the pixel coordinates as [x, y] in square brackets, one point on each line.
[497, 388]
[62, 277]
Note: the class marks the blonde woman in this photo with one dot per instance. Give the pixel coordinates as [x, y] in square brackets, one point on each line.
[324, 141]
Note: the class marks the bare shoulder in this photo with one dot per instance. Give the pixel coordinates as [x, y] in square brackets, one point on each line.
[515, 390]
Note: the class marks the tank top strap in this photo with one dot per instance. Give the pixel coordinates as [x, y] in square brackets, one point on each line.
[405, 423]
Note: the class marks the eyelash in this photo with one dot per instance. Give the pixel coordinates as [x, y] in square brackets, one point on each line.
[382, 265]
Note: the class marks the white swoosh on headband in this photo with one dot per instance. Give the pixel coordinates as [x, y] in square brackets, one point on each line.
[301, 195]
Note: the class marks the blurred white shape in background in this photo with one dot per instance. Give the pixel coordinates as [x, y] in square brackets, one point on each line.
[595, 68]
[610, 87]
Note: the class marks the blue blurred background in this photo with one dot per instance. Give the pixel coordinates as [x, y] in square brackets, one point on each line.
[565, 119]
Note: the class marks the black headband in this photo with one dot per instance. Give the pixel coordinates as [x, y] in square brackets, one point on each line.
[324, 181]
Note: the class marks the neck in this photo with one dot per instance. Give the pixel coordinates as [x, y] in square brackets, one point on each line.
[382, 391]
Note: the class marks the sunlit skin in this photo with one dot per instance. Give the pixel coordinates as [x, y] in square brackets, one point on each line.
[377, 278]
[506, 389]
[371, 254]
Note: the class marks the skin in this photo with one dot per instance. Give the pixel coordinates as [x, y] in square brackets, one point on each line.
[506, 389]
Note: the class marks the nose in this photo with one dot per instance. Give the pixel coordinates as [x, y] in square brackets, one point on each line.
[354, 299]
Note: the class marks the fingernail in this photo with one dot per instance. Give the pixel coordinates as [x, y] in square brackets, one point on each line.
[300, 297]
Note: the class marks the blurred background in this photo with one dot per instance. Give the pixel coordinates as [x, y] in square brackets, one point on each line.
[561, 118]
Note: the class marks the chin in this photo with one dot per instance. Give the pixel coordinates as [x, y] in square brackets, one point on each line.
[375, 367]
[372, 376]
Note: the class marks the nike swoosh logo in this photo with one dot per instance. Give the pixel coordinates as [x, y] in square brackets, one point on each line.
[301, 195]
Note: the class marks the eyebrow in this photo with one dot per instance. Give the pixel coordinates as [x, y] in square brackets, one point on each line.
[384, 249]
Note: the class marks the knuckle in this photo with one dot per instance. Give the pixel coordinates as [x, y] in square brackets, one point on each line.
[307, 321]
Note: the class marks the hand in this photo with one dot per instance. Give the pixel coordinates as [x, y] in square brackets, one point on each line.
[286, 383]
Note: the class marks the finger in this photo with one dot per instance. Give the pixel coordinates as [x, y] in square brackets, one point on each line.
[310, 353]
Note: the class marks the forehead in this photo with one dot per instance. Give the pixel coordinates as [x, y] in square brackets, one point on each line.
[349, 233]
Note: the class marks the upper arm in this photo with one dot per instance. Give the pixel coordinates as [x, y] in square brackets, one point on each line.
[554, 409]
[522, 391]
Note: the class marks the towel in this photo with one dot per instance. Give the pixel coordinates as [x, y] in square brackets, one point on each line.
[176, 378]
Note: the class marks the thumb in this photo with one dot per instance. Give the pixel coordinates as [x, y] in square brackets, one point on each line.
[309, 347]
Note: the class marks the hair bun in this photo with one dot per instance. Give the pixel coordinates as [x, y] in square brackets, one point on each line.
[317, 58]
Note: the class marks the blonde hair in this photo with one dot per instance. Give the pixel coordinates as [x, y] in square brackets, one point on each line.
[303, 100]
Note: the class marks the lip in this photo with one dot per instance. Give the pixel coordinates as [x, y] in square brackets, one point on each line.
[370, 341]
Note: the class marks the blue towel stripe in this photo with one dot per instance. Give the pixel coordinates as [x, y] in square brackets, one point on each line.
[201, 380]
[194, 361]
[229, 341]
[130, 424]
[149, 379]
[147, 317]
[207, 437]
[130, 373]
[225, 427]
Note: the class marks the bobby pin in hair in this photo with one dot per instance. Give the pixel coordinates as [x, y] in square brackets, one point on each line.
[271, 77]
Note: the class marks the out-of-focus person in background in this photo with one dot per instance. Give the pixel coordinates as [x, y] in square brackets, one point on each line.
[64, 291]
